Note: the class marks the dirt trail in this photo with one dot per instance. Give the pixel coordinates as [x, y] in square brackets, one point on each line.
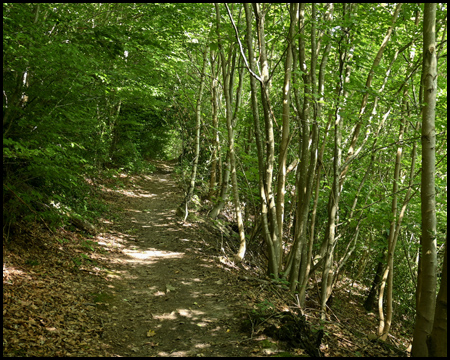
[165, 295]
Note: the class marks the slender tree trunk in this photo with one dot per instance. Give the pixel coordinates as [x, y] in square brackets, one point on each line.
[237, 203]
[229, 117]
[114, 125]
[215, 125]
[437, 341]
[332, 217]
[302, 250]
[13, 103]
[384, 325]
[426, 306]
[334, 196]
[368, 304]
[248, 143]
[305, 277]
[392, 230]
[275, 250]
[281, 188]
[273, 265]
[183, 208]
[224, 188]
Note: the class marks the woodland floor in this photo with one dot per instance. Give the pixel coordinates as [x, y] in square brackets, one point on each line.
[153, 285]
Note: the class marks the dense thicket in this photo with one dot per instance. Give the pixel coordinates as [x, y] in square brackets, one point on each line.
[86, 87]
[307, 118]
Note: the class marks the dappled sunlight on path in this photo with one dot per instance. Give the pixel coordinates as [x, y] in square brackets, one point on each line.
[166, 296]
[146, 254]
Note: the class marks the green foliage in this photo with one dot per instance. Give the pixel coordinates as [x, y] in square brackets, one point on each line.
[89, 245]
[32, 262]
[265, 306]
[81, 94]
[281, 281]
[94, 89]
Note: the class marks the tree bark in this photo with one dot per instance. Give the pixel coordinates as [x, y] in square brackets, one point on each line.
[392, 230]
[437, 341]
[275, 241]
[281, 188]
[368, 304]
[225, 182]
[273, 265]
[183, 208]
[426, 306]
[215, 125]
[330, 241]
[229, 117]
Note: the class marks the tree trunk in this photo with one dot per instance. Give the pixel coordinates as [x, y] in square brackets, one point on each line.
[183, 208]
[273, 265]
[368, 304]
[437, 341]
[392, 231]
[426, 306]
[305, 277]
[237, 203]
[330, 241]
[299, 265]
[224, 188]
[215, 125]
[281, 190]
[114, 125]
[275, 241]
[229, 117]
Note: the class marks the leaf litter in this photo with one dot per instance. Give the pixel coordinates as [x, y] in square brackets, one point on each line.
[144, 286]
[150, 284]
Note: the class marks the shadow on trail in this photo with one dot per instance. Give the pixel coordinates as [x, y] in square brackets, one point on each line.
[165, 295]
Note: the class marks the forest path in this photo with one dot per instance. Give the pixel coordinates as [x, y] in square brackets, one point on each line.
[165, 295]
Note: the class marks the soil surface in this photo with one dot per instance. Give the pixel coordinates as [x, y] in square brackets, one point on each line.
[151, 284]
[166, 294]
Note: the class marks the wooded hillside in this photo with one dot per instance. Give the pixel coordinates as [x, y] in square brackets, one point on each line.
[318, 132]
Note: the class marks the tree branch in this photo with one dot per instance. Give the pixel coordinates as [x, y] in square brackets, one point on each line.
[240, 45]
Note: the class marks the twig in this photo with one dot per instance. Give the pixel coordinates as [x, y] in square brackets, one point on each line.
[241, 47]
